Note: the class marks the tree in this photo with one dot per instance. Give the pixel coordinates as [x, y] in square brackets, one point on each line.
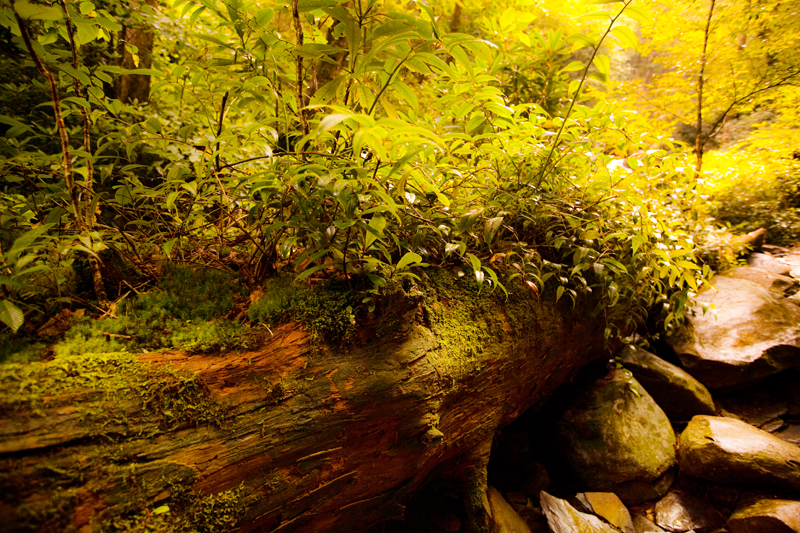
[729, 59]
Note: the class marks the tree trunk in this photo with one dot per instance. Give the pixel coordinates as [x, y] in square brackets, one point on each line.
[291, 436]
[135, 87]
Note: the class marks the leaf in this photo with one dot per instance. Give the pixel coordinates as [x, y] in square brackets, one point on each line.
[161, 510]
[687, 265]
[407, 259]
[474, 262]
[490, 228]
[24, 241]
[533, 287]
[626, 37]
[375, 230]
[11, 315]
[603, 64]
[29, 11]
[559, 292]
[573, 66]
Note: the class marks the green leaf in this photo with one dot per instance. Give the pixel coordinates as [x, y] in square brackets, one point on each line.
[626, 37]
[11, 315]
[559, 292]
[573, 66]
[603, 64]
[161, 510]
[408, 259]
[29, 11]
[375, 230]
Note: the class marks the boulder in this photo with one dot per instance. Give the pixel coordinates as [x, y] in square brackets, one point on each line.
[505, 518]
[642, 525]
[726, 450]
[674, 390]
[615, 438]
[681, 512]
[748, 333]
[767, 516]
[769, 263]
[564, 518]
[608, 506]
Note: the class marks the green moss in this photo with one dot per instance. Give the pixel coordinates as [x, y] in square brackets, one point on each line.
[463, 317]
[184, 313]
[15, 348]
[326, 310]
[168, 397]
[187, 512]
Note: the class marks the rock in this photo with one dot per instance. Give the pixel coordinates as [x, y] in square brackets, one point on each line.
[642, 525]
[767, 516]
[564, 518]
[751, 333]
[607, 505]
[681, 512]
[769, 263]
[777, 283]
[790, 434]
[615, 438]
[726, 450]
[675, 391]
[756, 407]
[506, 519]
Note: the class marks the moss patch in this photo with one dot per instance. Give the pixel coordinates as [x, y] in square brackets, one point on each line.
[327, 310]
[102, 382]
[188, 512]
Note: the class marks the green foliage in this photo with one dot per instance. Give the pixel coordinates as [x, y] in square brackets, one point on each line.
[404, 147]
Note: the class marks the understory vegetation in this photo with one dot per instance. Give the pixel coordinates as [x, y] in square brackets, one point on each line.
[298, 162]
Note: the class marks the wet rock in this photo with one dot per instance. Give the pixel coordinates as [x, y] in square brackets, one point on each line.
[564, 518]
[642, 525]
[767, 516]
[615, 438]
[751, 333]
[726, 450]
[607, 505]
[681, 512]
[506, 519]
[675, 391]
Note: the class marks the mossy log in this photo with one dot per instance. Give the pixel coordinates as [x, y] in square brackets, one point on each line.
[291, 436]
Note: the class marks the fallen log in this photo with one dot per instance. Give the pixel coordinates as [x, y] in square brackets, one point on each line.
[290, 436]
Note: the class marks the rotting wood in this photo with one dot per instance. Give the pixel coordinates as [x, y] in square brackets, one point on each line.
[312, 439]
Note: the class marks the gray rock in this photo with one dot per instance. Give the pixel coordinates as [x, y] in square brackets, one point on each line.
[615, 438]
[642, 525]
[682, 512]
[564, 518]
[674, 390]
[505, 518]
[726, 450]
[608, 506]
[767, 516]
[751, 333]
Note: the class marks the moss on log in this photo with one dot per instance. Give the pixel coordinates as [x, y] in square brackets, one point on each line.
[291, 436]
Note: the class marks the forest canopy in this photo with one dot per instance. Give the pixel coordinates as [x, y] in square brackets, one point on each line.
[553, 147]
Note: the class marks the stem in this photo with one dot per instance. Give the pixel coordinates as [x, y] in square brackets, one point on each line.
[698, 140]
[69, 178]
[578, 91]
[298, 30]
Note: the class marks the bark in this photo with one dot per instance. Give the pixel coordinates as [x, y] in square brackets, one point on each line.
[290, 436]
[135, 87]
[699, 141]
